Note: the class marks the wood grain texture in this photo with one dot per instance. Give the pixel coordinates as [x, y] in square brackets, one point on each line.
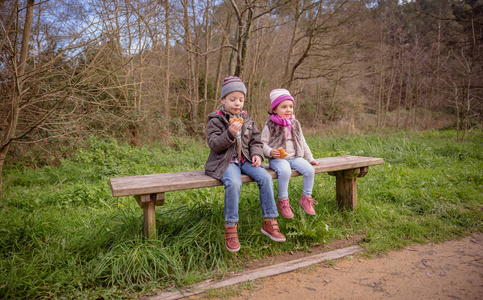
[149, 220]
[346, 192]
[168, 182]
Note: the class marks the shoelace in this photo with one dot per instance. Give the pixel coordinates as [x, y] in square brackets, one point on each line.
[312, 201]
[285, 204]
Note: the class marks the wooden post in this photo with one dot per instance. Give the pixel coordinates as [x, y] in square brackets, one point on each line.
[149, 221]
[346, 186]
[148, 203]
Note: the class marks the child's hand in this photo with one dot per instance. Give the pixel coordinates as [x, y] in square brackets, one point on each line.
[235, 127]
[256, 161]
[315, 163]
[275, 154]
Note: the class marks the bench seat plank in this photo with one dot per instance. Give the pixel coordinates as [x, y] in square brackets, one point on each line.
[168, 182]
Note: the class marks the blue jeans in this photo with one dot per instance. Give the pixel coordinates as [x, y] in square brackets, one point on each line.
[232, 181]
[284, 167]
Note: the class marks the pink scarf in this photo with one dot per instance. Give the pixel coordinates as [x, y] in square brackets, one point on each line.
[282, 121]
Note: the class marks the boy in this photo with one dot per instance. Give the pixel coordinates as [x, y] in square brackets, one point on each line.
[236, 148]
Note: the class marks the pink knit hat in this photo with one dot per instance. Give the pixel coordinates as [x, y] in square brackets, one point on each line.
[279, 95]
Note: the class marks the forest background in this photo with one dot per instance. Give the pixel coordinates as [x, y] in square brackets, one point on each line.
[148, 70]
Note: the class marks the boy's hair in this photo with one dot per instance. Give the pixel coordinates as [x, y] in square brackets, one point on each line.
[232, 84]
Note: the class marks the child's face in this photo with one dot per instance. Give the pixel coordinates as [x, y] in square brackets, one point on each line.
[234, 102]
[284, 109]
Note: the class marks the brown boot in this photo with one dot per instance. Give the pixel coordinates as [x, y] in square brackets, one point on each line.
[231, 239]
[270, 229]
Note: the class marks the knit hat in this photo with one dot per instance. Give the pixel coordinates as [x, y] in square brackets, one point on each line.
[279, 95]
[232, 84]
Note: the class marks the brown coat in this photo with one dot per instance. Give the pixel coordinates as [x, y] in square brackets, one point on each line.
[223, 146]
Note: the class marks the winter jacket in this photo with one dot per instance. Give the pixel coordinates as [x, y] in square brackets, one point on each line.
[223, 146]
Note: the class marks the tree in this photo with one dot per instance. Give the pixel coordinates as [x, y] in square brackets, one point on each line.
[11, 130]
[41, 76]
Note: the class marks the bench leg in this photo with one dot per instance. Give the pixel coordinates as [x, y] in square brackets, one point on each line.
[148, 203]
[149, 220]
[346, 192]
[346, 187]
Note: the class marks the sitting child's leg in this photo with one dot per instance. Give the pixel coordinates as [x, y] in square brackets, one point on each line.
[284, 171]
[232, 182]
[306, 169]
[269, 209]
[265, 185]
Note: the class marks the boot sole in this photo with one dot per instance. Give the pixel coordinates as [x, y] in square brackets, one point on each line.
[287, 217]
[232, 250]
[312, 214]
[273, 238]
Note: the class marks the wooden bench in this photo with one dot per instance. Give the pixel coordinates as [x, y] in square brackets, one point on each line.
[149, 190]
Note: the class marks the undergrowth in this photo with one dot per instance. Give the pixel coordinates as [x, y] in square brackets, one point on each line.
[62, 234]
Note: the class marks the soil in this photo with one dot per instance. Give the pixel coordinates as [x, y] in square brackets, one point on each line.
[450, 270]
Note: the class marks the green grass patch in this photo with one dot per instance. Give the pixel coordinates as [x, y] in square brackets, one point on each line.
[62, 234]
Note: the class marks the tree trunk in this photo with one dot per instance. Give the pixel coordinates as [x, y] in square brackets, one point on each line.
[239, 35]
[192, 85]
[9, 134]
[220, 62]
[167, 53]
[206, 63]
[332, 106]
[195, 66]
[286, 75]
[399, 98]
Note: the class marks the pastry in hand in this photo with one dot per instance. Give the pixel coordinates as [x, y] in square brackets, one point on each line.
[282, 152]
[235, 119]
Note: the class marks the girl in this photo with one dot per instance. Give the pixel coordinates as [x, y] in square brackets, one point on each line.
[282, 130]
[235, 149]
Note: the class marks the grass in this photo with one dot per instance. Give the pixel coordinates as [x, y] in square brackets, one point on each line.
[62, 234]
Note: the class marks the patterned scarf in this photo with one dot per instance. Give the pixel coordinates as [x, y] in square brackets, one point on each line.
[282, 121]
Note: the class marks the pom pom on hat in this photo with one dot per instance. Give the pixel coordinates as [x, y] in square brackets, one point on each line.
[279, 95]
[232, 84]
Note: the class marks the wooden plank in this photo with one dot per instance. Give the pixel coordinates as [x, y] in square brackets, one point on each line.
[160, 183]
[167, 182]
[258, 273]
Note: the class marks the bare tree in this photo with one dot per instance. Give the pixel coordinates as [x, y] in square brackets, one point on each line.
[245, 16]
[10, 132]
[167, 58]
[315, 24]
[43, 74]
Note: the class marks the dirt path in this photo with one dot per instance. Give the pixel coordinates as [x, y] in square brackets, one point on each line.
[451, 270]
